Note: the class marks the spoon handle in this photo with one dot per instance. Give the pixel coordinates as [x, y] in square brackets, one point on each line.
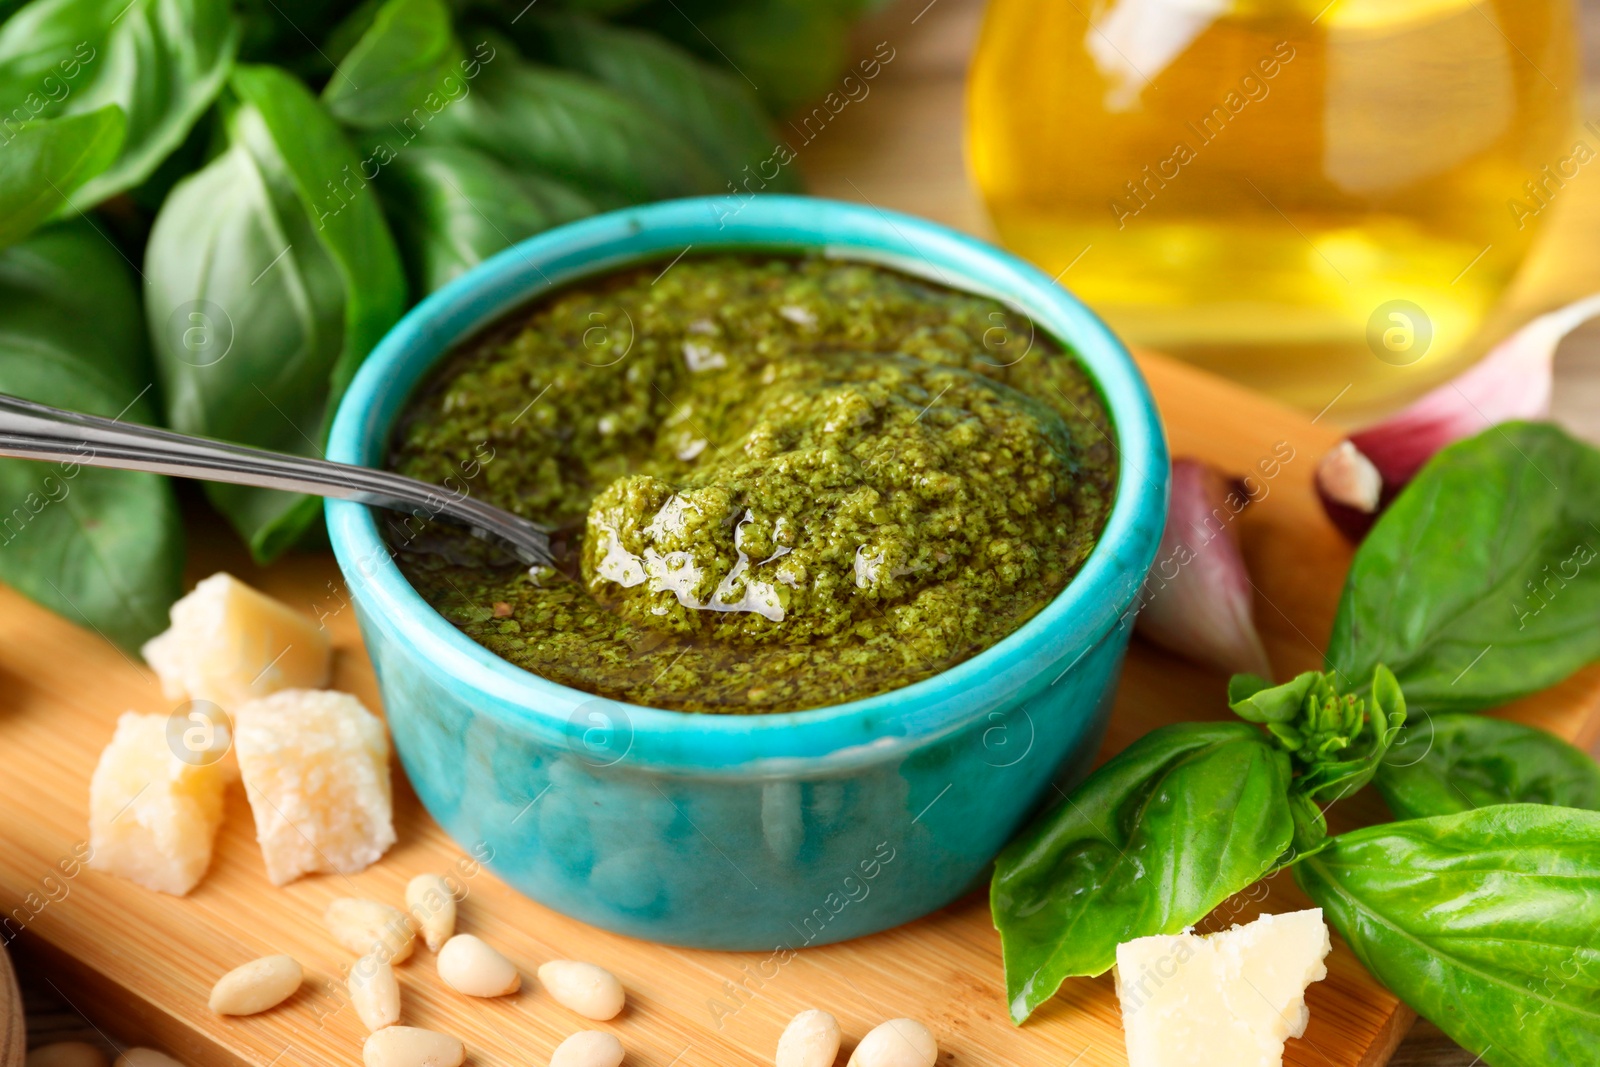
[37, 431]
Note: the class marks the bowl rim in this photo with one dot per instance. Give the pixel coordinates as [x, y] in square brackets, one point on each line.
[1097, 598]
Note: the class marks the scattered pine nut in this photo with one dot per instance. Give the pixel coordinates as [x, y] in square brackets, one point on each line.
[410, 1046]
[145, 1057]
[896, 1043]
[810, 1040]
[374, 992]
[256, 986]
[591, 991]
[588, 1048]
[433, 906]
[367, 927]
[67, 1054]
[468, 965]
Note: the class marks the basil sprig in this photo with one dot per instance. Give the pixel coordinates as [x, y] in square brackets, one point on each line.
[1479, 585]
[1483, 921]
[1337, 740]
[1180, 821]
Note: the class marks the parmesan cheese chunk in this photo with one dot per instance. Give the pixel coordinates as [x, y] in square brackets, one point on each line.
[1225, 1000]
[315, 765]
[152, 815]
[229, 643]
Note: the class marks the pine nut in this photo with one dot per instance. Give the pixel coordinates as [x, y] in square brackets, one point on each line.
[470, 966]
[374, 992]
[896, 1043]
[810, 1040]
[256, 986]
[367, 927]
[591, 991]
[67, 1054]
[145, 1057]
[409, 1046]
[433, 906]
[587, 1048]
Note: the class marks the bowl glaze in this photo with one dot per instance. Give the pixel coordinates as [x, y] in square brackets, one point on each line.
[764, 831]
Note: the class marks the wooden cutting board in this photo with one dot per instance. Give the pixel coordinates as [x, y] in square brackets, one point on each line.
[140, 964]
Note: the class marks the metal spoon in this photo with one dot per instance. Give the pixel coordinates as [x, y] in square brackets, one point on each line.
[36, 431]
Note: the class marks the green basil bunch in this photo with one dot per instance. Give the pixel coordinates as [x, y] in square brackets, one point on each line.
[1180, 821]
[473, 146]
[260, 158]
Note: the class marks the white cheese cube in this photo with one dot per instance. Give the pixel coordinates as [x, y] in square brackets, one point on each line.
[315, 765]
[152, 815]
[1225, 1000]
[229, 643]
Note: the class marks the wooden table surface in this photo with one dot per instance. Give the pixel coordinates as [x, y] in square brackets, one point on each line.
[901, 148]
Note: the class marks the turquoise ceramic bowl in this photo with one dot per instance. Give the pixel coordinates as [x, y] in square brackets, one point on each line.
[764, 831]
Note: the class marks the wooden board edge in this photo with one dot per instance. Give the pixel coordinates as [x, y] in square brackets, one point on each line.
[112, 1008]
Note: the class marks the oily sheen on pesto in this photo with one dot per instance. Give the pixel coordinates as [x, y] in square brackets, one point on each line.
[780, 483]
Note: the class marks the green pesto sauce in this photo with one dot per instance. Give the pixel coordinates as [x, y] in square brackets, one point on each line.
[780, 483]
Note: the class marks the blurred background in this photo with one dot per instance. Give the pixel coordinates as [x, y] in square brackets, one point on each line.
[1259, 187]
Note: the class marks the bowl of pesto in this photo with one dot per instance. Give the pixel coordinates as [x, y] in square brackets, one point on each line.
[850, 517]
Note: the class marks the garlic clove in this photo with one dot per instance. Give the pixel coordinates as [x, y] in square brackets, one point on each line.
[1513, 381]
[1350, 488]
[1198, 599]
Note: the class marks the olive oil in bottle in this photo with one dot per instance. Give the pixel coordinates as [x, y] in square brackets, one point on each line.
[1317, 199]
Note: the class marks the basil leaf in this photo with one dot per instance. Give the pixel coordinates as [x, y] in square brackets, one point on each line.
[604, 8]
[1480, 584]
[794, 51]
[1254, 699]
[452, 208]
[714, 108]
[1165, 831]
[569, 127]
[408, 54]
[103, 548]
[268, 284]
[161, 61]
[69, 289]
[45, 161]
[1484, 922]
[305, 37]
[1466, 761]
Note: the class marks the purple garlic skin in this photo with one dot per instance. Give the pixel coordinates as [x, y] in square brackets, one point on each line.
[1198, 600]
[1362, 474]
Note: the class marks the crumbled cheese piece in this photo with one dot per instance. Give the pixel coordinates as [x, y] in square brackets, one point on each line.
[229, 643]
[152, 814]
[1229, 999]
[315, 766]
